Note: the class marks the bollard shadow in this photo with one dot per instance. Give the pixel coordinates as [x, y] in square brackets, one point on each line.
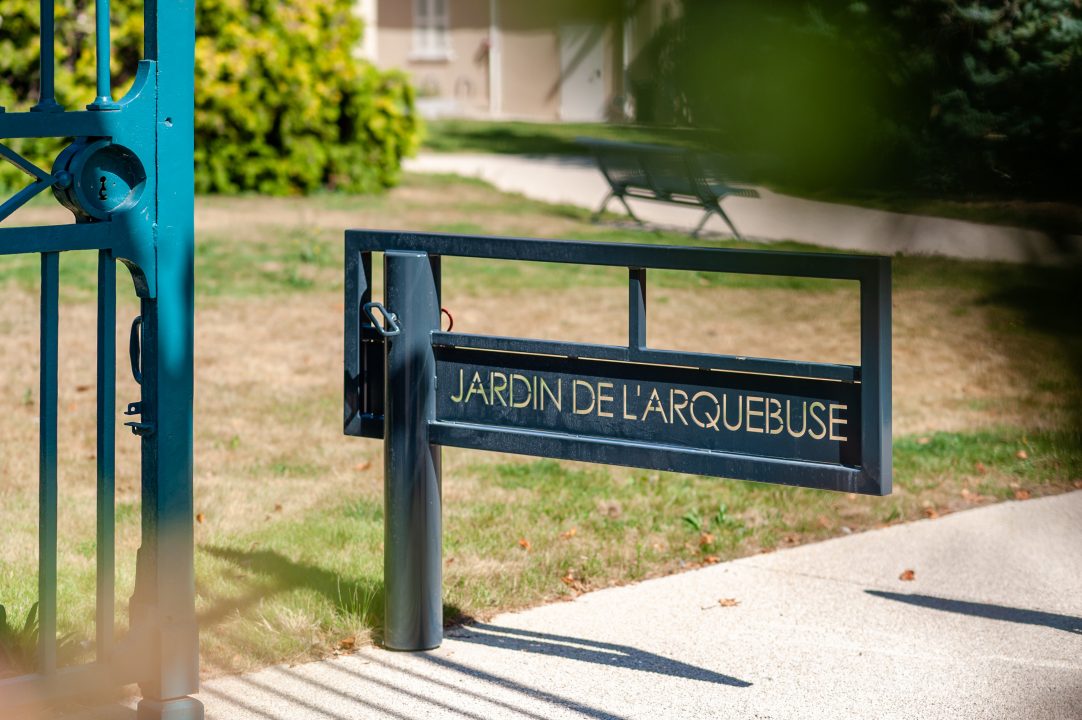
[1067, 623]
[278, 574]
[590, 651]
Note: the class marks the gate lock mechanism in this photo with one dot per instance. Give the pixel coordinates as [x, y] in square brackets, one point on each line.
[142, 429]
[99, 179]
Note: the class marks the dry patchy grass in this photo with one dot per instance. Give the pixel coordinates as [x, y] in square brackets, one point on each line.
[290, 539]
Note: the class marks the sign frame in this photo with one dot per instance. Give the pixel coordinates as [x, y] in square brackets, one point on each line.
[392, 366]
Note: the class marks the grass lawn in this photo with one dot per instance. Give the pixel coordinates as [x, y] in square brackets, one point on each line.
[559, 139]
[987, 362]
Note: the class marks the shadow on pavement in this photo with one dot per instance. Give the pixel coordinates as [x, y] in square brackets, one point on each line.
[1067, 623]
[591, 651]
[290, 693]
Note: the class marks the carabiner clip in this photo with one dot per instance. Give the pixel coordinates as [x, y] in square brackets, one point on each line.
[389, 317]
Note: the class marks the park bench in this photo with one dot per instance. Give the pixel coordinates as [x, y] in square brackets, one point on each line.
[679, 176]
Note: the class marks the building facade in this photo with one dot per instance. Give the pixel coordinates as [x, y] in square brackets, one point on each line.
[563, 60]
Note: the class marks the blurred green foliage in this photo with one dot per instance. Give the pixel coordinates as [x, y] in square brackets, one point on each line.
[282, 105]
[942, 95]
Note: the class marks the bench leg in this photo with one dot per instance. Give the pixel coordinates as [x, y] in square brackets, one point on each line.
[629, 210]
[604, 204]
[736, 233]
[699, 227]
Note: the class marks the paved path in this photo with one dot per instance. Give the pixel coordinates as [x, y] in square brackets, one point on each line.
[991, 627]
[576, 181]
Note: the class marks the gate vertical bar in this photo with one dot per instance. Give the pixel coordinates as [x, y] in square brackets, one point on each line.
[412, 559]
[103, 54]
[167, 582]
[47, 60]
[50, 315]
[106, 453]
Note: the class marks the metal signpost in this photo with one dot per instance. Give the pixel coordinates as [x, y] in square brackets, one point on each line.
[806, 424]
[128, 179]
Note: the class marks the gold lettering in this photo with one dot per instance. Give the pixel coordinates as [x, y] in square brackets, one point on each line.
[837, 421]
[478, 388]
[677, 409]
[627, 415]
[822, 427]
[522, 379]
[654, 405]
[750, 412]
[789, 419]
[774, 414]
[712, 422]
[575, 385]
[496, 391]
[739, 412]
[602, 397]
[557, 399]
[461, 388]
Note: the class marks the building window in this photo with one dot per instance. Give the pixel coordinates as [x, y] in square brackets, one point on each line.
[431, 24]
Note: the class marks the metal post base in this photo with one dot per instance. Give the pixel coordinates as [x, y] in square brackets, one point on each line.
[185, 708]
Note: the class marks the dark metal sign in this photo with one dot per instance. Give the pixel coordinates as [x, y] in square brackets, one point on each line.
[664, 409]
[816, 425]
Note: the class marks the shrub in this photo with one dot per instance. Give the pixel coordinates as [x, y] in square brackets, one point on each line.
[282, 104]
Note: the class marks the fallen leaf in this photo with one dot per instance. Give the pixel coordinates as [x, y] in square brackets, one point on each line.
[347, 643]
[199, 517]
[728, 602]
[1022, 455]
[450, 560]
[980, 467]
[711, 560]
[572, 582]
[568, 534]
[1078, 483]
[908, 575]
[277, 507]
[362, 466]
[1022, 494]
[706, 539]
[790, 539]
[930, 513]
[524, 543]
[82, 388]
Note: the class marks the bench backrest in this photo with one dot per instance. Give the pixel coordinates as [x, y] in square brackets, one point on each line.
[657, 169]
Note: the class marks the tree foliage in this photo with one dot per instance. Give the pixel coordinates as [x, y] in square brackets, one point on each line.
[283, 105]
[941, 94]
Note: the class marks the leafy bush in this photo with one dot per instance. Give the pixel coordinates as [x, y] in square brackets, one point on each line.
[282, 104]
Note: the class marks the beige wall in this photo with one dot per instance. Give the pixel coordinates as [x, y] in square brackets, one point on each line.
[460, 79]
[530, 68]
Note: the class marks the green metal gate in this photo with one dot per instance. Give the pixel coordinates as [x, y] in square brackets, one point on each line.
[127, 176]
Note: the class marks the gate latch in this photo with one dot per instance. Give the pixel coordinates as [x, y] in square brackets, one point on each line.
[141, 429]
[392, 328]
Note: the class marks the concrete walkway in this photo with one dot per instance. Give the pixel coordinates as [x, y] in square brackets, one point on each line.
[991, 627]
[576, 181]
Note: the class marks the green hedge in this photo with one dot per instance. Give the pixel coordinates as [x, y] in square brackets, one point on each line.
[282, 103]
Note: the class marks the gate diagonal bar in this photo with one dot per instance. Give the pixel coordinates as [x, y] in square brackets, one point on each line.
[420, 388]
[126, 175]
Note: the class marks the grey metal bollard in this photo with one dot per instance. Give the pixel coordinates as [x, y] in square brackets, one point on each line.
[412, 558]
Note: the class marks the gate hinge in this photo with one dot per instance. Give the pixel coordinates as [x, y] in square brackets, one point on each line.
[141, 429]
